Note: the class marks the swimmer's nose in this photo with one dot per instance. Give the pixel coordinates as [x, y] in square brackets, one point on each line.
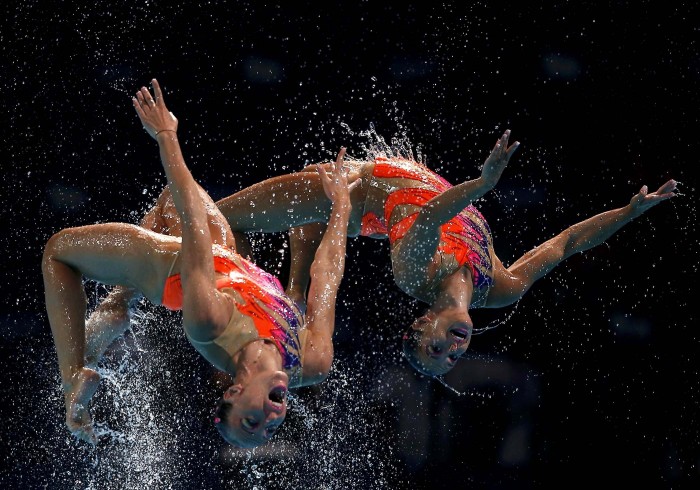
[453, 347]
[272, 417]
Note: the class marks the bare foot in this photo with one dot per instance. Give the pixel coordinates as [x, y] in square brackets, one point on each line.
[77, 397]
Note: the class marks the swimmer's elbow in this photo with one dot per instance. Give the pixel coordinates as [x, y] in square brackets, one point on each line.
[317, 364]
[318, 374]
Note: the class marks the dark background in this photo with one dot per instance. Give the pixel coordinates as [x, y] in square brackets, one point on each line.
[591, 379]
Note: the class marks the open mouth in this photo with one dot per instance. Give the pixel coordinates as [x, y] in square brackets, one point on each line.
[460, 333]
[278, 394]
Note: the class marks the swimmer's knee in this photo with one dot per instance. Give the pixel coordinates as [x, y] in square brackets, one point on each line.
[309, 168]
[53, 247]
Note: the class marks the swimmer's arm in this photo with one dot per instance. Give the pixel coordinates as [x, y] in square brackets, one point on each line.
[421, 241]
[303, 243]
[450, 203]
[326, 274]
[204, 308]
[580, 237]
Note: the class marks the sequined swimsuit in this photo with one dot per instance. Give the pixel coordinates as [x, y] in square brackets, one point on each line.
[464, 240]
[273, 315]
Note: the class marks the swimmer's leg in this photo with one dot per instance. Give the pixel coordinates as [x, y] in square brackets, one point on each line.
[277, 204]
[290, 200]
[113, 253]
[110, 320]
[112, 317]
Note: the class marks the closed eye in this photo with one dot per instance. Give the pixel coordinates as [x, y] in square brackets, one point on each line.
[433, 351]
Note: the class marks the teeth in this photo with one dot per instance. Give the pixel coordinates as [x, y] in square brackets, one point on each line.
[277, 395]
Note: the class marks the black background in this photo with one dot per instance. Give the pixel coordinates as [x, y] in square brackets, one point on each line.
[592, 378]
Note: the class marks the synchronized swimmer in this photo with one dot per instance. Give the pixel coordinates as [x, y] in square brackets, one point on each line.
[191, 254]
[441, 246]
[236, 315]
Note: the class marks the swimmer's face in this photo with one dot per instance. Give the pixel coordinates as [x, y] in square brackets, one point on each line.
[438, 342]
[259, 408]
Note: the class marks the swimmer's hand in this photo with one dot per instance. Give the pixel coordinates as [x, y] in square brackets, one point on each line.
[335, 184]
[152, 111]
[77, 395]
[642, 201]
[497, 160]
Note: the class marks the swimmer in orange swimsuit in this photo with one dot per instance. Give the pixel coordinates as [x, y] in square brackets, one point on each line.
[235, 315]
[441, 246]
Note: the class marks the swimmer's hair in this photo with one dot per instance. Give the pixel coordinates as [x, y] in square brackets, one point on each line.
[411, 344]
[221, 413]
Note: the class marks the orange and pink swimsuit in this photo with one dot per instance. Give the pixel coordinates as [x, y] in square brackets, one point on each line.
[466, 238]
[274, 316]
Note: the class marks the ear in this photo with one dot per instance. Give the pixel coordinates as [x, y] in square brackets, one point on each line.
[420, 322]
[232, 390]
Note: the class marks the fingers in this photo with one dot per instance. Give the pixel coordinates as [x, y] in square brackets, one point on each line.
[322, 172]
[354, 184]
[501, 150]
[141, 98]
[501, 144]
[338, 164]
[511, 149]
[666, 191]
[670, 186]
[149, 100]
[156, 90]
[137, 106]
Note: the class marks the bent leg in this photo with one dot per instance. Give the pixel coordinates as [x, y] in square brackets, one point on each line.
[163, 218]
[110, 253]
[107, 322]
[112, 317]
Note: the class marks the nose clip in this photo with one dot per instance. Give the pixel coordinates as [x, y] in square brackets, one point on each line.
[453, 347]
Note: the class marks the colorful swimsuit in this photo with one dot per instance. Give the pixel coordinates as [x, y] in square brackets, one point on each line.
[464, 240]
[273, 315]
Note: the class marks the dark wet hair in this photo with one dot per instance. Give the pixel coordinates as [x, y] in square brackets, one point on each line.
[411, 343]
[222, 411]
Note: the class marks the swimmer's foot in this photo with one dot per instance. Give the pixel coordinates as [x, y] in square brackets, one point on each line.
[78, 394]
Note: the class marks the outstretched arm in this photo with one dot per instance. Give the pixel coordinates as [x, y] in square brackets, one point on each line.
[577, 238]
[326, 273]
[421, 241]
[204, 307]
